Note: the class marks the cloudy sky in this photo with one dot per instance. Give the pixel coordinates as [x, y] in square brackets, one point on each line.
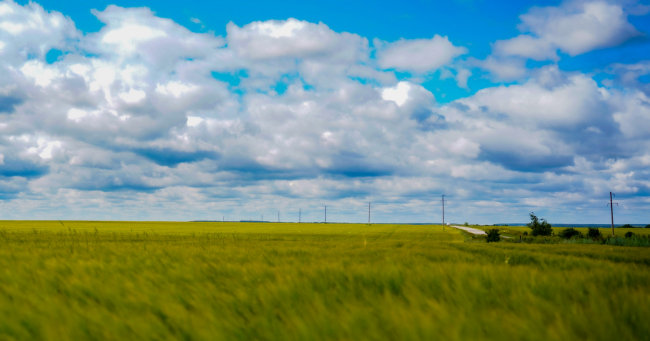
[150, 110]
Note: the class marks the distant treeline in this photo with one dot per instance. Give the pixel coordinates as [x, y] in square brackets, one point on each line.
[578, 225]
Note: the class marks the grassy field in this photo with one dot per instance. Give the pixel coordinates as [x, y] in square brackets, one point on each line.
[269, 281]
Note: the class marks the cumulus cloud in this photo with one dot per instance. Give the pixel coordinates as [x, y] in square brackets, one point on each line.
[30, 30]
[417, 55]
[575, 27]
[628, 75]
[294, 39]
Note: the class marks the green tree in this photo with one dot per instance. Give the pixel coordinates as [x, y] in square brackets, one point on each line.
[540, 227]
[570, 233]
[594, 233]
[493, 235]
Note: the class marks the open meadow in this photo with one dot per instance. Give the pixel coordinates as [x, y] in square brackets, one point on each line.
[76, 280]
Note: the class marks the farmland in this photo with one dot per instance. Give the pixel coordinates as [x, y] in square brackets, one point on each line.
[267, 281]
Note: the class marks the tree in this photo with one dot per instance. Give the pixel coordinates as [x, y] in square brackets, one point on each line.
[539, 227]
[569, 233]
[493, 235]
[629, 234]
[626, 226]
[594, 233]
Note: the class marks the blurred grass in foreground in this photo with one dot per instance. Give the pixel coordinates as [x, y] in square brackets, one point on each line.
[269, 281]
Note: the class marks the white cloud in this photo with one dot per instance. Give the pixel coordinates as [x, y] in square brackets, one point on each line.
[41, 74]
[193, 121]
[30, 30]
[417, 55]
[571, 104]
[465, 147]
[575, 27]
[503, 69]
[634, 115]
[127, 37]
[398, 94]
[45, 148]
[174, 88]
[294, 39]
[133, 96]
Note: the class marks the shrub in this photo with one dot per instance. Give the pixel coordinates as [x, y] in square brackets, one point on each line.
[569, 233]
[539, 227]
[594, 233]
[542, 240]
[634, 240]
[493, 235]
[629, 234]
[466, 224]
[525, 233]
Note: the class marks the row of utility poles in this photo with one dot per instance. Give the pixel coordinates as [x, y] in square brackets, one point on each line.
[300, 213]
[610, 204]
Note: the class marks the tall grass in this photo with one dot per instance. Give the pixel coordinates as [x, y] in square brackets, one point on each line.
[220, 281]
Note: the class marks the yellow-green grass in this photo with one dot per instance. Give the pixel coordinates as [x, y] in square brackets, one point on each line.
[269, 281]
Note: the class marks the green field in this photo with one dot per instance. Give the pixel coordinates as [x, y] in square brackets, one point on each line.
[270, 281]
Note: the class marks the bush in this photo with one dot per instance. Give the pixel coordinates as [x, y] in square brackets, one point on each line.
[635, 240]
[525, 233]
[541, 240]
[539, 227]
[493, 235]
[594, 233]
[570, 233]
[629, 234]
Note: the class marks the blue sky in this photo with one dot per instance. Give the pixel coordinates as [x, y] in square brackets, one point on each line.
[200, 110]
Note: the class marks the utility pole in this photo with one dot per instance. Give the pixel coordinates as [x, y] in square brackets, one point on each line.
[299, 214]
[443, 210]
[325, 214]
[262, 217]
[611, 206]
[278, 216]
[368, 213]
